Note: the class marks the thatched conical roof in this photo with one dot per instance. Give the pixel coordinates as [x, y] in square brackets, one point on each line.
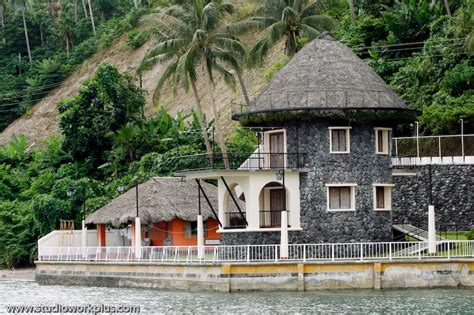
[159, 199]
[326, 76]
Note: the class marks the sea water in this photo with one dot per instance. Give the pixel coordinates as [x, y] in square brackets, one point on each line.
[408, 301]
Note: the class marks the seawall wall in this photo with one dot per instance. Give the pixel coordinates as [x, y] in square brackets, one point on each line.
[261, 277]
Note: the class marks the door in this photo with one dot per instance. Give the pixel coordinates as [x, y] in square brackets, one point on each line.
[277, 200]
[277, 150]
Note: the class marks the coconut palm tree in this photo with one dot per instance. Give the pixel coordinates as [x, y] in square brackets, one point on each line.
[289, 19]
[192, 35]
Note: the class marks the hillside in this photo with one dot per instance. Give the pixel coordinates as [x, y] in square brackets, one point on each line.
[42, 121]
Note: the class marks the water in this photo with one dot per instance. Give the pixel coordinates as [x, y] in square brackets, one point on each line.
[418, 301]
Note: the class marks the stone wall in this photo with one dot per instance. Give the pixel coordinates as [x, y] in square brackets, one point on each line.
[361, 166]
[291, 276]
[452, 193]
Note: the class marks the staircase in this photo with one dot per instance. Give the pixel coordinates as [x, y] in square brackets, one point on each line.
[417, 233]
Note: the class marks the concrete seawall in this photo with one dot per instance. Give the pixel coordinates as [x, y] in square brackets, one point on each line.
[261, 277]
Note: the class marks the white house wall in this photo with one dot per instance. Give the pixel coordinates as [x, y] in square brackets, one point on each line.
[252, 184]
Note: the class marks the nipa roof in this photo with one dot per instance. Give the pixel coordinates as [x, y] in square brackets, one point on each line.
[159, 199]
[326, 75]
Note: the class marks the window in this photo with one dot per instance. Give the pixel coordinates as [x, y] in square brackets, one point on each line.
[383, 196]
[339, 139]
[190, 228]
[382, 140]
[341, 197]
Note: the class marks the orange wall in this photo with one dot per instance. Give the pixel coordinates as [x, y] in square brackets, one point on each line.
[101, 235]
[176, 231]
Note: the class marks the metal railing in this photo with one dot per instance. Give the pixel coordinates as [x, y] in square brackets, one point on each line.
[261, 253]
[238, 161]
[234, 220]
[434, 146]
[271, 218]
[318, 98]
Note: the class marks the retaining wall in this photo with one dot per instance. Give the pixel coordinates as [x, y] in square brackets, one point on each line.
[452, 195]
[261, 277]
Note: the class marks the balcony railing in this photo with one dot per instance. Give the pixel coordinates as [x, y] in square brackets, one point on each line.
[237, 161]
[383, 251]
[450, 149]
[270, 218]
[235, 220]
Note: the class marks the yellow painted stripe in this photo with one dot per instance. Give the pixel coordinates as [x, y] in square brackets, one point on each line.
[337, 268]
[263, 269]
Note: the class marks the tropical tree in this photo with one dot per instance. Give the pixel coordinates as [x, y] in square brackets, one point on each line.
[191, 35]
[292, 20]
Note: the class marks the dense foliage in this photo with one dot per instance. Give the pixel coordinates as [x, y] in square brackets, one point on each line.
[59, 37]
[423, 49]
[105, 143]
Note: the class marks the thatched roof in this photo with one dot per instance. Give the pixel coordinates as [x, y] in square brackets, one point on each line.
[326, 75]
[159, 199]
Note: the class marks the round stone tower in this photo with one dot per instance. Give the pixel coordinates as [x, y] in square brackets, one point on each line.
[339, 113]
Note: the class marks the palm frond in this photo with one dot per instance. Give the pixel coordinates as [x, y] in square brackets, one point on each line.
[320, 22]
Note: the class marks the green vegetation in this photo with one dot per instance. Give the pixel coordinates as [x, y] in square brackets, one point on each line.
[105, 143]
[423, 49]
[60, 36]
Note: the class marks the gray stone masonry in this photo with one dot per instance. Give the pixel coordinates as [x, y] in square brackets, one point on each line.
[361, 166]
[452, 191]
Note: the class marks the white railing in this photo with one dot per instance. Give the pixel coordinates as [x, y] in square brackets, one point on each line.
[262, 253]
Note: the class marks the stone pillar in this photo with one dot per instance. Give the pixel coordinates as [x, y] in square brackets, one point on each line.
[431, 230]
[200, 237]
[138, 238]
[84, 239]
[284, 235]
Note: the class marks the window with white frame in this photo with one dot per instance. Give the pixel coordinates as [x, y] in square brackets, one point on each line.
[339, 139]
[383, 196]
[341, 197]
[382, 140]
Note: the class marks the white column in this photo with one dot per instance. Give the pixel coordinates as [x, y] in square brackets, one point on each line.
[138, 238]
[284, 235]
[200, 237]
[84, 239]
[431, 230]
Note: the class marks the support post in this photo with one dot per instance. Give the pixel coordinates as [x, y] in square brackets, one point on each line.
[138, 238]
[284, 235]
[431, 230]
[84, 239]
[200, 237]
[417, 139]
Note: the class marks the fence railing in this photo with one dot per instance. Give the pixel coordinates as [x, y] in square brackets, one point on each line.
[434, 146]
[261, 253]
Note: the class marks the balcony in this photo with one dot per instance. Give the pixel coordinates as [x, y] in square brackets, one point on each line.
[271, 218]
[242, 162]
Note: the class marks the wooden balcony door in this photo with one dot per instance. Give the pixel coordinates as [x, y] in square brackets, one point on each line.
[277, 148]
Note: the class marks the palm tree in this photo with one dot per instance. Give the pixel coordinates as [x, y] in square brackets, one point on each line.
[289, 19]
[191, 35]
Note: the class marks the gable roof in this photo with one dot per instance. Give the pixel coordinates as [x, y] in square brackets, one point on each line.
[326, 75]
[159, 199]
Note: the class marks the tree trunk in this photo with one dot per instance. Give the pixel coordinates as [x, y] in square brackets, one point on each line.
[201, 119]
[448, 10]
[85, 8]
[67, 46]
[41, 35]
[135, 3]
[352, 9]
[26, 35]
[2, 23]
[75, 10]
[92, 16]
[243, 87]
[219, 133]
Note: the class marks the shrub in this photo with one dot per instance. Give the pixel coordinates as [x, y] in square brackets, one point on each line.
[137, 37]
[470, 235]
